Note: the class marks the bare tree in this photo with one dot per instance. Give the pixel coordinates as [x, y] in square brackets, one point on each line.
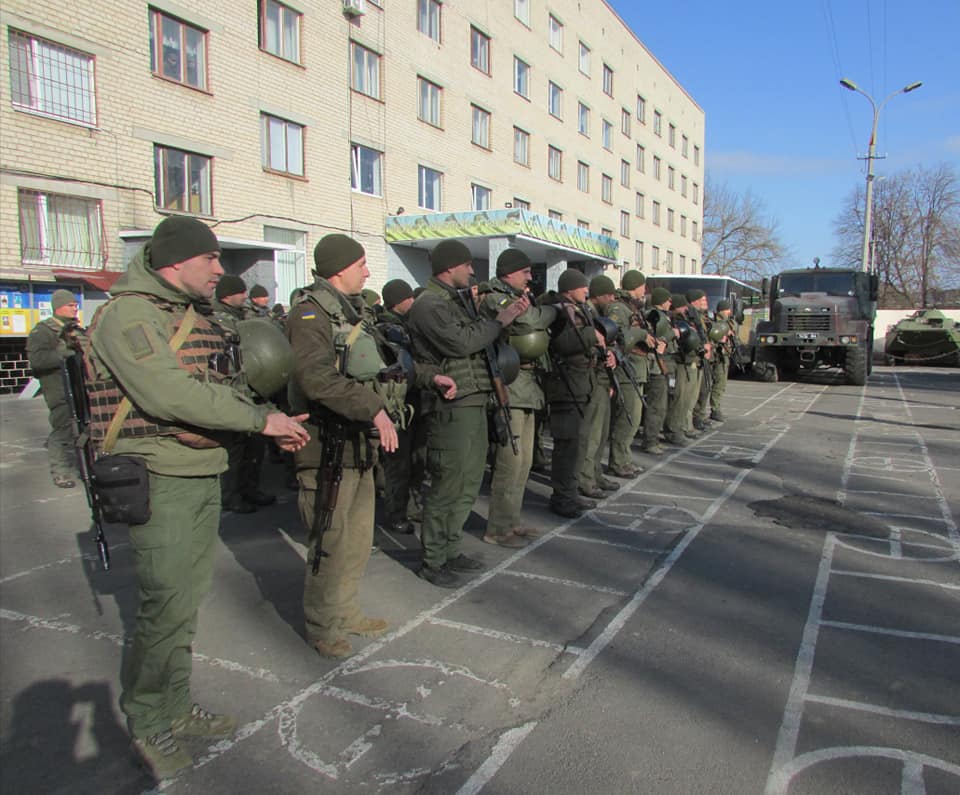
[916, 235]
[737, 240]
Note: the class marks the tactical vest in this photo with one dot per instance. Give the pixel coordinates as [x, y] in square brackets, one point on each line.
[194, 356]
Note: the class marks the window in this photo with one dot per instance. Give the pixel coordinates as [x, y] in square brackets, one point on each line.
[555, 215]
[428, 105]
[641, 159]
[683, 264]
[693, 266]
[521, 77]
[583, 224]
[696, 155]
[555, 100]
[606, 188]
[555, 27]
[696, 193]
[364, 71]
[657, 123]
[657, 172]
[606, 134]
[655, 257]
[672, 136]
[178, 51]
[694, 231]
[625, 173]
[684, 145]
[480, 126]
[683, 226]
[625, 122]
[281, 145]
[51, 79]
[624, 223]
[428, 18]
[669, 220]
[669, 261]
[583, 119]
[429, 188]
[521, 146]
[280, 30]
[60, 230]
[583, 61]
[291, 265]
[366, 170]
[607, 80]
[655, 212]
[641, 201]
[638, 255]
[521, 10]
[182, 181]
[521, 204]
[641, 110]
[683, 185]
[479, 50]
[671, 177]
[480, 197]
[583, 177]
[554, 163]
[606, 232]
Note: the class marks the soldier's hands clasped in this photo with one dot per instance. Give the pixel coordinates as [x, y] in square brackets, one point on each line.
[290, 435]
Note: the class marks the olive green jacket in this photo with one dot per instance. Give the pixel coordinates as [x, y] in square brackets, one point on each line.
[573, 358]
[130, 340]
[46, 350]
[623, 312]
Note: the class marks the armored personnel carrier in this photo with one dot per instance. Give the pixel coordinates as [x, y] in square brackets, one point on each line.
[926, 337]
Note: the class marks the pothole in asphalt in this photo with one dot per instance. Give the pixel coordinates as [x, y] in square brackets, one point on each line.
[805, 512]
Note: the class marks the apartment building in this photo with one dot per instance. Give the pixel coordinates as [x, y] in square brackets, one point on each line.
[540, 124]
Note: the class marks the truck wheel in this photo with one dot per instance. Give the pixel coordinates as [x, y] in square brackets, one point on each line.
[855, 366]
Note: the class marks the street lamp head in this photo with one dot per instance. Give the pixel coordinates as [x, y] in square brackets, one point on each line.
[849, 84]
[911, 87]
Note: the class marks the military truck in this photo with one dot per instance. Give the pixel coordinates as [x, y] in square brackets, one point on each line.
[819, 318]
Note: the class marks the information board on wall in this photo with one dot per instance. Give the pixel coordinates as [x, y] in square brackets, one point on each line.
[22, 306]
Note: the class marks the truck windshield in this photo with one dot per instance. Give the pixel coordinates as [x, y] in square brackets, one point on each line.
[822, 282]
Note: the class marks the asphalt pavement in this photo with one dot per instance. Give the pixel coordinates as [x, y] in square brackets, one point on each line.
[774, 609]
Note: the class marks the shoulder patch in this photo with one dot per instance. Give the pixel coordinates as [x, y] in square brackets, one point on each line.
[308, 315]
[138, 342]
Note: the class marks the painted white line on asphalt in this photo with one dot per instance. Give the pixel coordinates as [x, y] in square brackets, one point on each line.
[505, 746]
[70, 559]
[923, 517]
[897, 633]
[569, 583]
[876, 709]
[774, 396]
[296, 546]
[893, 578]
[631, 547]
[499, 635]
[912, 494]
[698, 478]
[660, 494]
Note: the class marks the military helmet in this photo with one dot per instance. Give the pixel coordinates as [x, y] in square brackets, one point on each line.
[689, 340]
[267, 356]
[633, 336]
[607, 327]
[717, 332]
[508, 362]
[530, 346]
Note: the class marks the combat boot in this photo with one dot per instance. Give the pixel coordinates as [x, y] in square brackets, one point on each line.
[333, 648]
[442, 577]
[567, 510]
[366, 627]
[510, 540]
[161, 755]
[592, 492]
[198, 722]
[465, 563]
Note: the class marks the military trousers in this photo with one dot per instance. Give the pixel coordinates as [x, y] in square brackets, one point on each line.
[61, 450]
[680, 407]
[565, 463]
[330, 596]
[721, 370]
[593, 434]
[623, 428]
[245, 453]
[510, 473]
[173, 561]
[456, 458]
[403, 473]
[696, 397]
[701, 410]
[656, 392]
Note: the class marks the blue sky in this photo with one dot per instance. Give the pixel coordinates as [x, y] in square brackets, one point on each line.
[779, 124]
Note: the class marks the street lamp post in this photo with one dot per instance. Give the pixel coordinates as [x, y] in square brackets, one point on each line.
[871, 156]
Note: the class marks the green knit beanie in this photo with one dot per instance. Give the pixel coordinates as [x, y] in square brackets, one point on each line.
[335, 253]
[695, 295]
[258, 291]
[179, 238]
[448, 254]
[61, 298]
[679, 300]
[602, 285]
[571, 279]
[396, 291]
[229, 285]
[659, 296]
[632, 280]
[511, 260]
[722, 304]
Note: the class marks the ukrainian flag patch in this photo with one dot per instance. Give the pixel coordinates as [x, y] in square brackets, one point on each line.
[308, 316]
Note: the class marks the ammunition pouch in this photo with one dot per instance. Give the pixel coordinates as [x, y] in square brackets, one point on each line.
[122, 484]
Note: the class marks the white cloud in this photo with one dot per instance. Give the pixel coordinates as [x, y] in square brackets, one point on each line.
[751, 163]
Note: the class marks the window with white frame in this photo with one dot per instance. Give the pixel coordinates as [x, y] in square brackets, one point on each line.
[281, 145]
[49, 78]
[696, 155]
[521, 77]
[641, 202]
[366, 170]
[638, 256]
[554, 163]
[668, 261]
[521, 10]
[607, 80]
[606, 134]
[555, 29]
[428, 101]
[555, 215]
[479, 50]
[178, 51]
[583, 119]
[641, 109]
[291, 269]
[280, 30]
[480, 126]
[583, 177]
[429, 188]
[683, 264]
[606, 232]
[182, 180]
[696, 193]
[60, 230]
[625, 173]
[480, 197]
[670, 216]
[655, 257]
[683, 185]
[657, 168]
[555, 100]
[655, 213]
[684, 145]
[364, 70]
[693, 266]
[624, 223]
[625, 121]
[694, 231]
[672, 136]
[641, 159]
[583, 60]
[657, 123]
[671, 177]
[606, 189]
[521, 146]
[521, 204]
[683, 226]
[428, 18]
[583, 224]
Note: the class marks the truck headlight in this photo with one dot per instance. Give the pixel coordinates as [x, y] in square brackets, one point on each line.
[848, 340]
